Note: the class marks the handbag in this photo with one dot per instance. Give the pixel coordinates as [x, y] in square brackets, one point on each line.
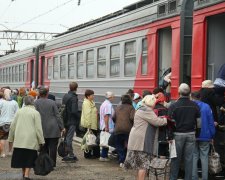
[214, 161]
[62, 152]
[172, 149]
[159, 169]
[104, 138]
[43, 164]
[90, 138]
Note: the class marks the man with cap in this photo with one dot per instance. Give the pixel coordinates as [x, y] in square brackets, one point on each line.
[106, 121]
[185, 113]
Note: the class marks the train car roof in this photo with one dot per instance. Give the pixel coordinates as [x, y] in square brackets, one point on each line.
[126, 9]
[200, 4]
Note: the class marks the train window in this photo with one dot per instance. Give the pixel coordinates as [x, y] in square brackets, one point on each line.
[49, 61]
[24, 72]
[90, 63]
[115, 60]
[16, 74]
[101, 62]
[3, 72]
[71, 66]
[7, 74]
[144, 62]
[63, 67]
[55, 68]
[20, 73]
[80, 65]
[13, 74]
[10, 74]
[130, 59]
[0, 75]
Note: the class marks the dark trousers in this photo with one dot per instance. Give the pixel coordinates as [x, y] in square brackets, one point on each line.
[121, 141]
[51, 148]
[69, 139]
[95, 152]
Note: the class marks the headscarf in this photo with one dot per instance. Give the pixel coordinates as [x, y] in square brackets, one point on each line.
[7, 94]
[149, 100]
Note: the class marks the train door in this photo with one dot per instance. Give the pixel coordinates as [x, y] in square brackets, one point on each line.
[215, 45]
[42, 70]
[164, 52]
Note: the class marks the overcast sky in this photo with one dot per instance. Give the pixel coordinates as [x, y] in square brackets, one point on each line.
[51, 15]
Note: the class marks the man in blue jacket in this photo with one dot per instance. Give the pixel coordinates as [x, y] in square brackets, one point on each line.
[205, 133]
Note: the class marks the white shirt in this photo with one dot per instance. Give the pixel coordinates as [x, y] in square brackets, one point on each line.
[8, 110]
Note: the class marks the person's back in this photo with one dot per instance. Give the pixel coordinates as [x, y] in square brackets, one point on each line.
[204, 134]
[70, 101]
[185, 113]
[51, 121]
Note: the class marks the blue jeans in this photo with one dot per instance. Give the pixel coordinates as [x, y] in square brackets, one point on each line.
[69, 139]
[121, 141]
[201, 150]
[185, 147]
[104, 153]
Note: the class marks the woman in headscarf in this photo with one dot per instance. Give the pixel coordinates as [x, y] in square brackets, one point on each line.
[27, 120]
[143, 139]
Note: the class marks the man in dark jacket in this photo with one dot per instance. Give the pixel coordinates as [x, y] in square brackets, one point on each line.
[70, 101]
[185, 113]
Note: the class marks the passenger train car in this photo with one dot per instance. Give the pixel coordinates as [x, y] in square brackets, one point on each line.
[130, 48]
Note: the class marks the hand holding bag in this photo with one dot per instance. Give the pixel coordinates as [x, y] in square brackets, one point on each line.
[214, 161]
[62, 148]
[90, 138]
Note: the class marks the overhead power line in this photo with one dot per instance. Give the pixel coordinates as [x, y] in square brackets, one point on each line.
[43, 14]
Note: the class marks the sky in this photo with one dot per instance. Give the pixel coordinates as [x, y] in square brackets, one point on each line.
[51, 15]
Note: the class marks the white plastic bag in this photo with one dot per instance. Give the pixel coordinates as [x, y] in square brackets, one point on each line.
[90, 138]
[172, 148]
[104, 138]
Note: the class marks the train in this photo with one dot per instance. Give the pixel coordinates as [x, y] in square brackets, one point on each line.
[130, 48]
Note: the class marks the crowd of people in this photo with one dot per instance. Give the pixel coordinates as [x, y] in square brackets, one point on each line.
[142, 126]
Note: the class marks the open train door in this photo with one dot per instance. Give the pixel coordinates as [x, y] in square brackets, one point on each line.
[215, 45]
[42, 68]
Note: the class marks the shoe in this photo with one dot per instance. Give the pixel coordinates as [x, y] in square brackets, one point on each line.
[104, 159]
[26, 178]
[3, 156]
[121, 165]
[70, 159]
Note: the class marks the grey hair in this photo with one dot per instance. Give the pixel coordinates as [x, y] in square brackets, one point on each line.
[184, 89]
[28, 100]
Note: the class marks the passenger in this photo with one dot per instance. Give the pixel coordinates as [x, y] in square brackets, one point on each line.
[8, 109]
[106, 121]
[26, 144]
[144, 93]
[89, 120]
[123, 119]
[185, 113]
[220, 79]
[70, 101]
[51, 123]
[205, 133]
[136, 99]
[22, 94]
[142, 142]
[162, 111]
[209, 97]
[15, 93]
[50, 96]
